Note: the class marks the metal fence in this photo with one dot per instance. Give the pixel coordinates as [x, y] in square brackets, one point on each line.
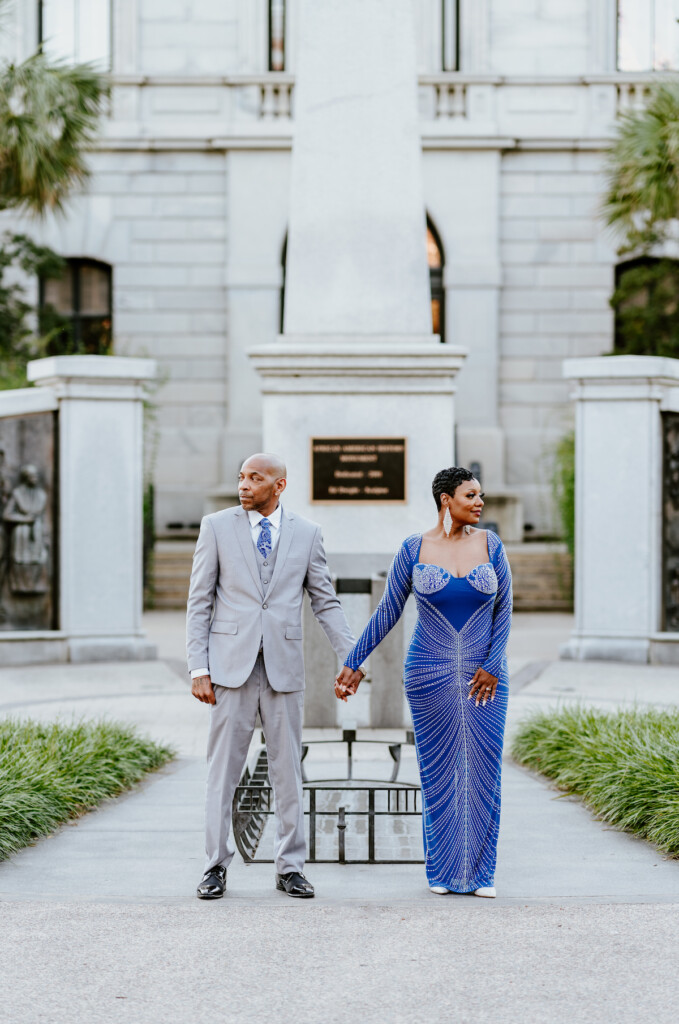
[349, 821]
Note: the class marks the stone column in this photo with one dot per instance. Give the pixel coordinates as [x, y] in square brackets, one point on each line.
[386, 670]
[100, 501]
[618, 504]
[356, 260]
[357, 358]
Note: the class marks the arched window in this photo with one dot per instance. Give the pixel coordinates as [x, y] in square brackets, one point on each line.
[435, 261]
[646, 304]
[284, 257]
[75, 309]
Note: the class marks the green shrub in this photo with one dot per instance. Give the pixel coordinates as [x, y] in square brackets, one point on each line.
[623, 764]
[563, 487]
[52, 772]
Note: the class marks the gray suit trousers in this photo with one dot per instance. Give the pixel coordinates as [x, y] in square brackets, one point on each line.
[232, 724]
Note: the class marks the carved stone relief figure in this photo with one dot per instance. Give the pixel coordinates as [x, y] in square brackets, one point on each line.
[28, 555]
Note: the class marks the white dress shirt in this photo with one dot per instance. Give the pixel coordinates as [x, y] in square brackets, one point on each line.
[255, 530]
[255, 527]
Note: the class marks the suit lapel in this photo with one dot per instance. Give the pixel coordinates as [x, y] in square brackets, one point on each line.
[284, 542]
[242, 527]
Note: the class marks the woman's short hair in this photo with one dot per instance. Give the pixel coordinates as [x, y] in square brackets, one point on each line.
[448, 480]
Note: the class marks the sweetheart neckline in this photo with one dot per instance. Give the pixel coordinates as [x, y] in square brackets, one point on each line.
[443, 569]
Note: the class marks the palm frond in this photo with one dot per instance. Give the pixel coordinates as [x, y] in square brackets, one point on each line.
[49, 114]
[642, 169]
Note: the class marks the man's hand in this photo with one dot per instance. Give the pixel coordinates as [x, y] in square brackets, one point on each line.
[201, 688]
[347, 682]
[482, 687]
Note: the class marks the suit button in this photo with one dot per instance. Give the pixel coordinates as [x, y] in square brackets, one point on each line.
[265, 606]
[265, 563]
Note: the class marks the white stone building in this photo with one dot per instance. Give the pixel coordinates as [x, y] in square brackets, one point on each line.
[188, 207]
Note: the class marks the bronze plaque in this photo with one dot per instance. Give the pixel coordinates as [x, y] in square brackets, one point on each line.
[358, 469]
[28, 522]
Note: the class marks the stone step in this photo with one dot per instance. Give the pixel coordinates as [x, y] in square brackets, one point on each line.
[542, 575]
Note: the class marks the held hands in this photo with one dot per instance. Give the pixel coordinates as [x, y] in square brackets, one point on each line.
[347, 682]
[482, 686]
[201, 688]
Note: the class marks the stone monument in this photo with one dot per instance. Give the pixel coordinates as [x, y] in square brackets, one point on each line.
[357, 391]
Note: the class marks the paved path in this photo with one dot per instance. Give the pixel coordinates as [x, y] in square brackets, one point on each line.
[99, 921]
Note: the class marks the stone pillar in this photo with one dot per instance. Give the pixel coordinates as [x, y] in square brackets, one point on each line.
[618, 484]
[386, 670]
[357, 358]
[100, 462]
[320, 669]
[356, 259]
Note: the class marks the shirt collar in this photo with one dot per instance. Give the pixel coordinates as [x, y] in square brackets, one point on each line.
[275, 518]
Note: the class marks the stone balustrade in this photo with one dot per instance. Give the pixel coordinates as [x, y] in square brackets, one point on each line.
[450, 103]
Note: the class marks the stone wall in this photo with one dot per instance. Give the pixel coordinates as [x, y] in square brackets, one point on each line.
[558, 271]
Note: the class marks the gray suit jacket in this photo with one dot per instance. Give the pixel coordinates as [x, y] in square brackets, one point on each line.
[228, 614]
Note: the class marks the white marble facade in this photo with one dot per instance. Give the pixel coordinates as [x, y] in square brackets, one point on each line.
[189, 203]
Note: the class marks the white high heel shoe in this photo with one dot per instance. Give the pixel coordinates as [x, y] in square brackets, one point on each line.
[488, 891]
[440, 890]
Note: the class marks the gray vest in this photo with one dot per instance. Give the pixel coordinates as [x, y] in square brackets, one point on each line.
[266, 567]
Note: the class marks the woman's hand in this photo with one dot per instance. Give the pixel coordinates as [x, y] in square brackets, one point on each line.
[347, 682]
[482, 686]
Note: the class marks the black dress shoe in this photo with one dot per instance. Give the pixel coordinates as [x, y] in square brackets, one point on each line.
[295, 884]
[212, 884]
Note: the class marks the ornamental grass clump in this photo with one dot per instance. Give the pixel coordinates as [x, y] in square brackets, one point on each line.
[52, 772]
[624, 765]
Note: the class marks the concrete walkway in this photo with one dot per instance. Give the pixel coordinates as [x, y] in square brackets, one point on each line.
[100, 922]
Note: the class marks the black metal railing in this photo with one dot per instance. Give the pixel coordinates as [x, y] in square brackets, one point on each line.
[364, 804]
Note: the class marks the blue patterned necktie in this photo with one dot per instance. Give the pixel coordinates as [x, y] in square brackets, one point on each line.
[264, 539]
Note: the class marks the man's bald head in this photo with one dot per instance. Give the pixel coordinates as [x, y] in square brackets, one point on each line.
[261, 481]
[268, 463]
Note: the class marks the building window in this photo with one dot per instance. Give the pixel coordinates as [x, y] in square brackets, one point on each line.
[76, 31]
[435, 261]
[75, 309]
[648, 35]
[646, 304]
[450, 35]
[276, 35]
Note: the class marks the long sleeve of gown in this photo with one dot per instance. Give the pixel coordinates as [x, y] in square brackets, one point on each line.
[388, 611]
[502, 613]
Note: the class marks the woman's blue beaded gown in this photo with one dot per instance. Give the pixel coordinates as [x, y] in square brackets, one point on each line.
[462, 624]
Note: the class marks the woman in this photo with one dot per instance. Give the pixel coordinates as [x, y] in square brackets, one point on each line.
[455, 679]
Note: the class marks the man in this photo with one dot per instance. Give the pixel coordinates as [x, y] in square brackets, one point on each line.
[244, 651]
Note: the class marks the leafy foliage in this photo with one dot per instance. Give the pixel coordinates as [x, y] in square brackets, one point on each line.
[18, 343]
[52, 772]
[563, 487]
[642, 198]
[646, 304]
[623, 764]
[48, 114]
